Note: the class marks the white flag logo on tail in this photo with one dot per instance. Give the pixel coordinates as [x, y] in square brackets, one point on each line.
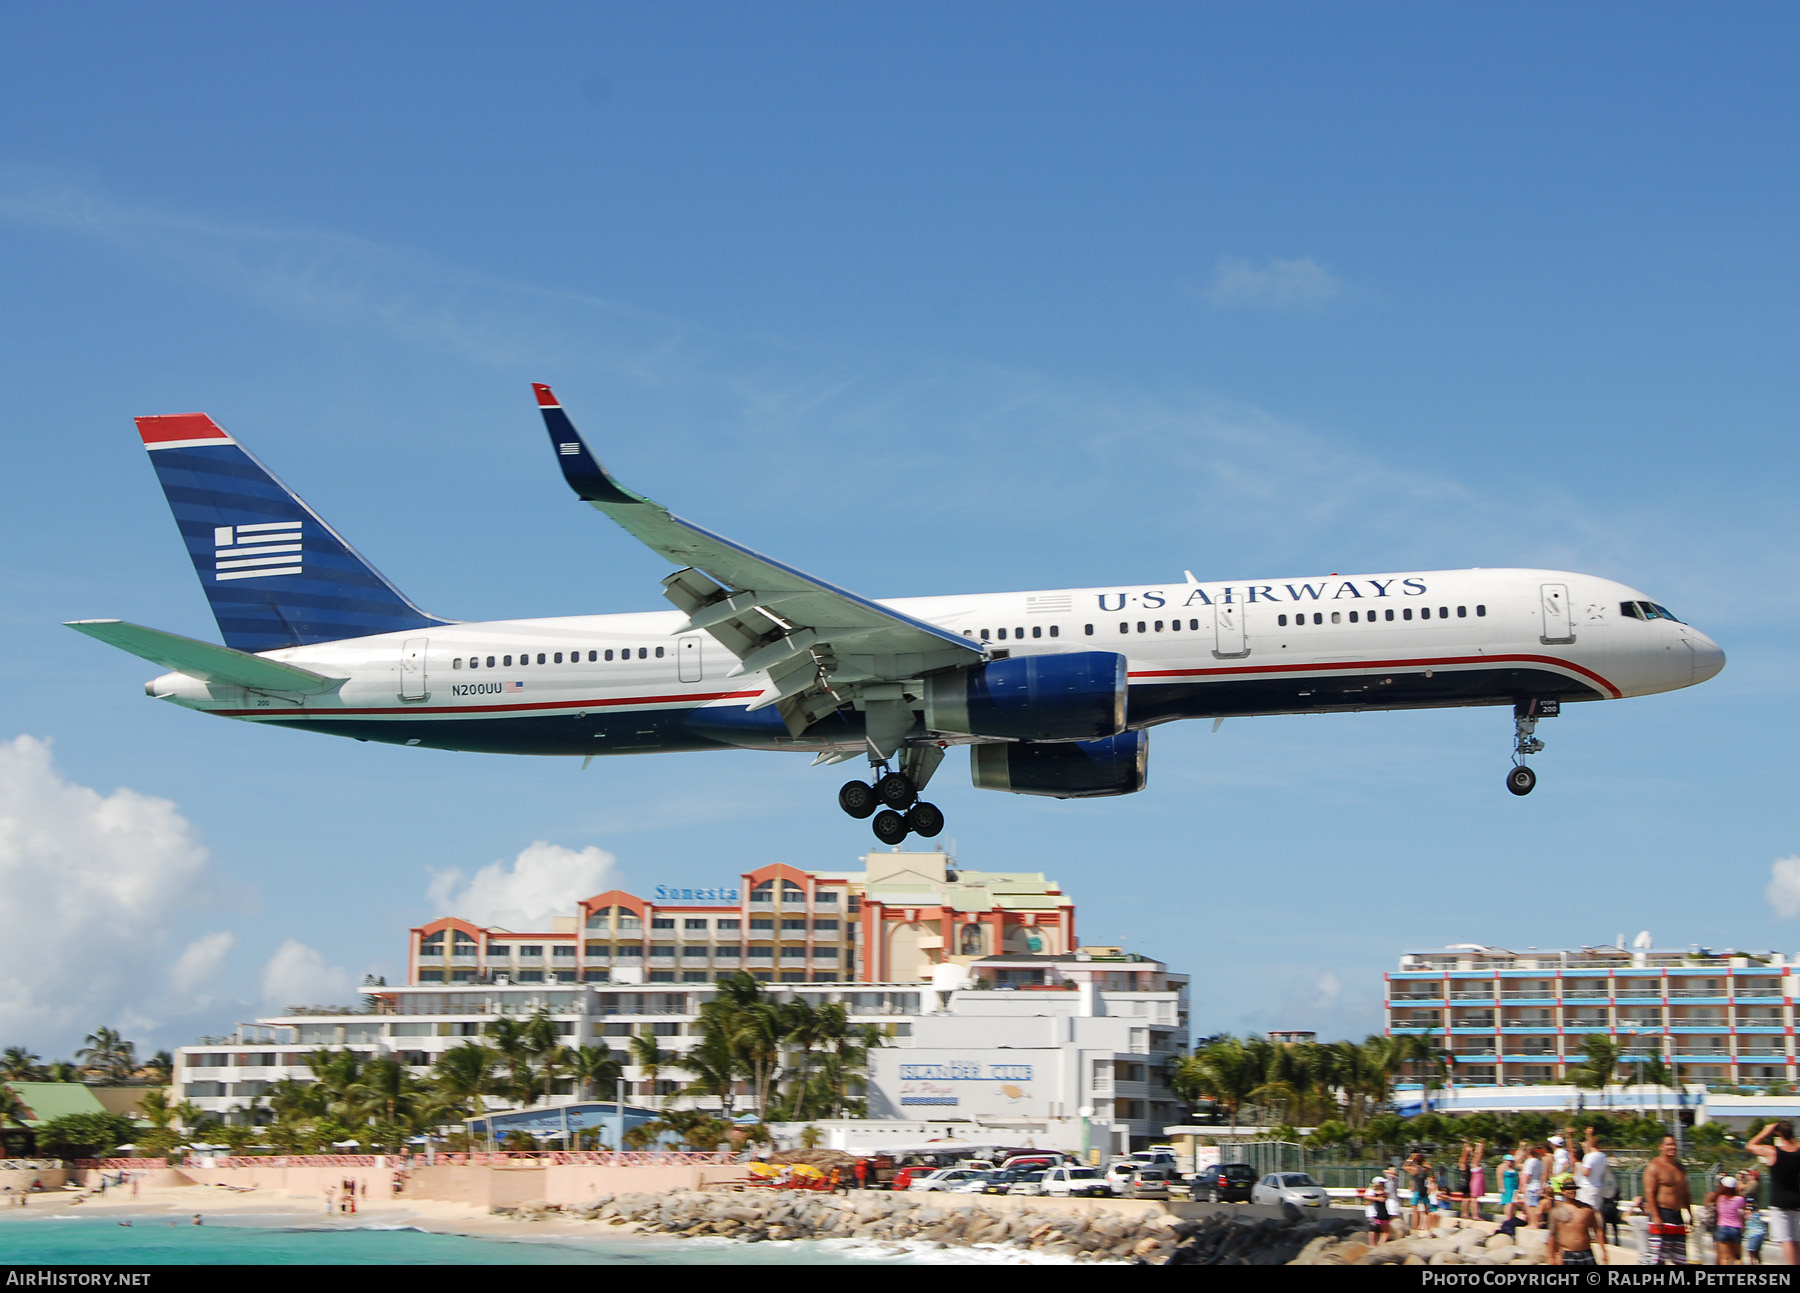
[252, 551]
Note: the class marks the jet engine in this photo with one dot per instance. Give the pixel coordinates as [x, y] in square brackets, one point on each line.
[1073, 697]
[1113, 765]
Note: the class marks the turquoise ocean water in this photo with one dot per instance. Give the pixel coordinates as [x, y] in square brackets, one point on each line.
[150, 1240]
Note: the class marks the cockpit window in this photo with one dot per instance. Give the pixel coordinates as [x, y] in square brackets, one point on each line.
[1646, 611]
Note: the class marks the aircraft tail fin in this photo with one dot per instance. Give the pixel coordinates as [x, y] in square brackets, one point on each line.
[275, 573]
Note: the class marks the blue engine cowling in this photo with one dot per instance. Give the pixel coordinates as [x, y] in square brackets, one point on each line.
[1072, 697]
[1064, 769]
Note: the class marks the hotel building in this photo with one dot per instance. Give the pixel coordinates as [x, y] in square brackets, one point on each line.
[893, 921]
[1521, 1017]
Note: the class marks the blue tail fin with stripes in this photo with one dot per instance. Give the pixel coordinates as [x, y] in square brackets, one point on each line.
[276, 574]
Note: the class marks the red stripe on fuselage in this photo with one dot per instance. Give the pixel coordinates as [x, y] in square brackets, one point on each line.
[492, 709]
[1342, 666]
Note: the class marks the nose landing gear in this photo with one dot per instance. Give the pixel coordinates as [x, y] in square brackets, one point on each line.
[896, 794]
[1521, 780]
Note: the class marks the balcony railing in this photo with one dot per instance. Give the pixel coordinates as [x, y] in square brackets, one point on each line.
[1683, 1052]
[1637, 994]
[1482, 994]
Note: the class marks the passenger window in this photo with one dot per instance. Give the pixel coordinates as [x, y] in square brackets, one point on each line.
[490, 662]
[1037, 630]
[1462, 612]
[559, 657]
[984, 635]
[643, 653]
[659, 653]
[1054, 631]
[1281, 621]
[594, 656]
[1318, 617]
[1424, 612]
[1194, 625]
[1019, 633]
[1390, 615]
[1443, 612]
[1124, 628]
[1335, 619]
[508, 660]
[1174, 626]
[968, 633]
[1353, 617]
[456, 663]
[1481, 610]
[540, 657]
[1159, 626]
[1405, 614]
[1140, 626]
[1001, 634]
[1090, 630]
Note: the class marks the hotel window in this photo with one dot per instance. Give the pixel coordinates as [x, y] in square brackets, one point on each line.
[791, 892]
[662, 922]
[598, 918]
[762, 922]
[431, 976]
[629, 951]
[730, 924]
[793, 953]
[826, 926]
[598, 949]
[531, 976]
[793, 924]
[764, 892]
[531, 949]
[826, 953]
[694, 952]
[826, 895]
[728, 950]
[662, 949]
[594, 976]
[693, 923]
[500, 949]
[564, 949]
[628, 920]
[971, 940]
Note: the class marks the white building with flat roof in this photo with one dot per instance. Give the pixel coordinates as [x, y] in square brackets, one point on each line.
[1723, 1017]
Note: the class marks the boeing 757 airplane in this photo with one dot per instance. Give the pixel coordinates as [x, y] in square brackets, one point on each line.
[1053, 692]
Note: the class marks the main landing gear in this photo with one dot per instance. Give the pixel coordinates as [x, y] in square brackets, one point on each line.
[894, 803]
[1521, 780]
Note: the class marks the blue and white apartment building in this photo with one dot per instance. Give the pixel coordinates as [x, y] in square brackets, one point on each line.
[1509, 1018]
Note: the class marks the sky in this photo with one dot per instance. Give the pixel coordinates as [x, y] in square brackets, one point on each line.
[921, 298]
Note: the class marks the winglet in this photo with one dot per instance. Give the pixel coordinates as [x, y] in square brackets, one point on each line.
[580, 468]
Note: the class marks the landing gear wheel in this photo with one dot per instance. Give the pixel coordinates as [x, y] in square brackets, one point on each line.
[1521, 780]
[925, 819]
[857, 798]
[896, 790]
[890, 826]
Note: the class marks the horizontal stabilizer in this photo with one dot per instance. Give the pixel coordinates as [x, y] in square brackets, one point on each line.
[205, 660]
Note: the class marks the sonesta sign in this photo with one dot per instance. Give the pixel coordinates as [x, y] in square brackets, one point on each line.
[724, 893]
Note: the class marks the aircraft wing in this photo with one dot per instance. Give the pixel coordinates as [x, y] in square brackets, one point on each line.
[205, 660]
[817, 641]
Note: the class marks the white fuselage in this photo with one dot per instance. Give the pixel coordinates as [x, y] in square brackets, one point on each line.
[630, 683]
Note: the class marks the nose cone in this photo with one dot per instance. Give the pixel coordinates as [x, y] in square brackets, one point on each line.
[1708, 658]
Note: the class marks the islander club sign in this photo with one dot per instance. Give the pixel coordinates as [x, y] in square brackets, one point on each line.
[663, 893]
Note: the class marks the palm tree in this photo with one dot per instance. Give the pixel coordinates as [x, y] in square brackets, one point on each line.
[19, 1065]
[62, 1071]
[1431, 1060]
[160, 1067]
[108, 1054]
[12, 1109]
[335, 1071]
[157, 1110]
[507, 1037]
[715, 1068]
[595, 1069]
[649, 1057]
[545, 1046]
[1597, 1071]
[1227, 1070]
[463, 1074]
[384, 1087]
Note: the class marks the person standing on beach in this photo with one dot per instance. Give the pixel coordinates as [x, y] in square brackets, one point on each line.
[1460, 1183]
[1477, 1185]
[1531, 1172]
[1509, 1187]
[1728, 1210]
[1574, 1228]
[1783, 1159]
[1668, 1203]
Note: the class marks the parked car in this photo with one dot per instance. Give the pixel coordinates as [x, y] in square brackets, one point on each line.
[1071, 1181]
[1225, 1183]
[978, 1182]
[1028, 1182]
[1004, 1178]
[1152, 1181]
[945, 1178]
[1033, 1162]
[1290, 1187]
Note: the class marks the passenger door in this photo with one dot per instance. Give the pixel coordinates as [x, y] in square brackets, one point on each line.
[687, 657]
[1559, 626]
[1228, 628]
[412, 669]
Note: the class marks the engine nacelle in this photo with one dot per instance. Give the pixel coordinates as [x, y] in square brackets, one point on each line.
[1073, 697]
[1114, 765]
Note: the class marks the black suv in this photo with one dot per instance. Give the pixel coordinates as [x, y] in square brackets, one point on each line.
[1225, 1183]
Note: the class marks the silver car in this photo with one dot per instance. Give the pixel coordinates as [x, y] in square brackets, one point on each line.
[1296, 1188]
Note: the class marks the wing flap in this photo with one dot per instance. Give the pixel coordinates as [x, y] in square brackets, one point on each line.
[205, 660]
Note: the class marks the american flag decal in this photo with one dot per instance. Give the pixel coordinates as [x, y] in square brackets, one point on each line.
[515, 686]
[252, 551]
[569, 448]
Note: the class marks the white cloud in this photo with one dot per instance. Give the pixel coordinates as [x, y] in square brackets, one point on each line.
[1279, 286]
[1783, 892]
[201, 961]
[297, 975]
[89, 886]
[545, 880]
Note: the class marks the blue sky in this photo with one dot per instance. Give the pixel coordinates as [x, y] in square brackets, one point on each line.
[921, 298]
